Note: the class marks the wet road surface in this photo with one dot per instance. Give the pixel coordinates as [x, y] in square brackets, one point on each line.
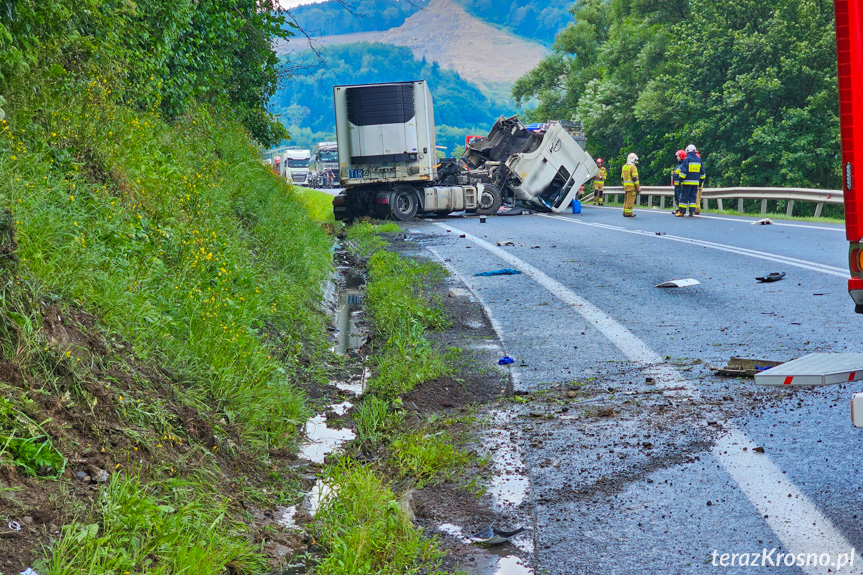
[638, 459]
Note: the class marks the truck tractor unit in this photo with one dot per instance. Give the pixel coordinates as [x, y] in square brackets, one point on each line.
[326, 165]
[388, 165]
[296, 166]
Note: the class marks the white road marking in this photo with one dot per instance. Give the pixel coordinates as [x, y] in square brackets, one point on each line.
[837, 228]
[786, 260]
[794, 520]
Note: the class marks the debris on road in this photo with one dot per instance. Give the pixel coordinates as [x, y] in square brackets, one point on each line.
[741, 367]
[482, 219]
[772, 277]
[492, 536]
[501, 272]
[762, 222]
[506, 243]
[505, 360]
[688, 282]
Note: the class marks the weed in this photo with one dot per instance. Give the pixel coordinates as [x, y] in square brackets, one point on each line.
[366, 531]
[427, 458]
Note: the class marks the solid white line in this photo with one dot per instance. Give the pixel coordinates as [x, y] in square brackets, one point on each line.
[754, 473]
[786, 260]
[838, 228]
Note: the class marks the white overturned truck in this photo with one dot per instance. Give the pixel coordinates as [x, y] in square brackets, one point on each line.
[388, 166]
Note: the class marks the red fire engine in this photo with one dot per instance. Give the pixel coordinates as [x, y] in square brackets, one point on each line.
[849, 52]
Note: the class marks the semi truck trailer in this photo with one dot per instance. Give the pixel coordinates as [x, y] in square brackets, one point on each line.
[388, 166]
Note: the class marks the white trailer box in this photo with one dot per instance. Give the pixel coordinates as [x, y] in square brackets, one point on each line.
[385, 133]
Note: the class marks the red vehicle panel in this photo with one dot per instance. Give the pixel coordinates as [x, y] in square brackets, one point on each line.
[849, 51]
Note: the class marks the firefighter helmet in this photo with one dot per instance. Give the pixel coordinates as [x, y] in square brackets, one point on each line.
[599, 161]
[691, 148]
[681, 154]
[632, 159]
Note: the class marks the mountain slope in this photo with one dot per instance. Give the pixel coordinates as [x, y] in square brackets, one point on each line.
[445, 33]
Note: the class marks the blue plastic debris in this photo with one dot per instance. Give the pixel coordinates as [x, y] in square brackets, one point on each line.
[503, 272]
[505, 360]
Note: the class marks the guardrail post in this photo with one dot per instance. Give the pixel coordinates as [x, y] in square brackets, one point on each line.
[704, 204]
[818, 208]
[763, 207]
[662, 202]
[740, 205]
[719, 203]
[789, 210]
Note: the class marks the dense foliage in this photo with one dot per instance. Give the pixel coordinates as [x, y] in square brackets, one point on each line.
[539, 21]
[335, 17]
[751, 82]
[306, 104]
[153, 54]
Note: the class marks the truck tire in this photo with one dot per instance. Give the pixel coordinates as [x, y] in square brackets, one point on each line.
[489, 201]
[403, 203]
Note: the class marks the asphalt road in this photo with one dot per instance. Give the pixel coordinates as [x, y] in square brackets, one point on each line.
[653, 477]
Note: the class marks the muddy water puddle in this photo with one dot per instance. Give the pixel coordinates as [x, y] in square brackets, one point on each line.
[349, 337]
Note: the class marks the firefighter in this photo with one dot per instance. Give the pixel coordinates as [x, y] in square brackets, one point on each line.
[675, 179]
[599, 183]
[691, 174]
[631, 185]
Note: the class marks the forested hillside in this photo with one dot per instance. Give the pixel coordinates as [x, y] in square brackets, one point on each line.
[540, 21]
[332, 18]
[305, 105]
[535, 20]
[751, 82]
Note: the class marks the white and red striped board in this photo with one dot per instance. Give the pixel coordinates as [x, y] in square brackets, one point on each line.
[815, 369]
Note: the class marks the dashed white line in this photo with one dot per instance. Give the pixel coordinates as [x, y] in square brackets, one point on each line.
[794, 520]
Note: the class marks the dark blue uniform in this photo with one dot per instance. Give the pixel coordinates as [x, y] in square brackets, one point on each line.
[691, 174]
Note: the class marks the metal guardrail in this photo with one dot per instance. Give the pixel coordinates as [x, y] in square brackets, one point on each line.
[791, 195]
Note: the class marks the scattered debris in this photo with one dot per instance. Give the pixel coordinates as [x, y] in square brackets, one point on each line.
[608, 412]
[758, 449]
[660, 233]
[649, 381]
[14, 526]
[492, 536]
[514, 211]
[501, 272]
[29, 571]
[679, 283]
[462, 235]
[482, 219]
[458, 292]
[505, 360]
[741, 367]
[506, 243]
[763, 222]
[773, 277]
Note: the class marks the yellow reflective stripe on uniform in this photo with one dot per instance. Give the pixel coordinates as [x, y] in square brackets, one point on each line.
[690, 183]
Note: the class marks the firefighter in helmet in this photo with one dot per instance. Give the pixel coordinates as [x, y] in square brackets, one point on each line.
[691, 174]
[675, 179]
[631, 185]
[599, 183]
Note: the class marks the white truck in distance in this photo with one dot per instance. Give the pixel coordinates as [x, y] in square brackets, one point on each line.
[326, 165]
[295, 166]
[388, 167]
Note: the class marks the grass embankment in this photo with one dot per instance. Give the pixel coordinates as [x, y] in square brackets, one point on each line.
[364, 528]
[155, 327]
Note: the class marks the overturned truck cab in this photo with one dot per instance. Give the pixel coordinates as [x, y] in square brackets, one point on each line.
[388, 165]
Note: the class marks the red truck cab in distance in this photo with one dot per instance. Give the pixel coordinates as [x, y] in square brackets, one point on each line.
[849, 53]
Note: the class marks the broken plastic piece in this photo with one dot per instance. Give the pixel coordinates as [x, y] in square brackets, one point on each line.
[502, 272]
[505, 360]
[506, 243]
[762, 222]
[679, 283]
[492, 536]
[14, 526]
[773, 277]
[29, 571]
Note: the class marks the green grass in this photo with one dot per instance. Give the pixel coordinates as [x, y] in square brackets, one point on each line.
[318, 204]
[167, 527]
[180, 240]
[365, 236]
[366, 531]
[427, 458]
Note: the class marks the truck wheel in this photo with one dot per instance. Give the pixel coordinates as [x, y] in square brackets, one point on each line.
[403, 203]
[489, 201]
